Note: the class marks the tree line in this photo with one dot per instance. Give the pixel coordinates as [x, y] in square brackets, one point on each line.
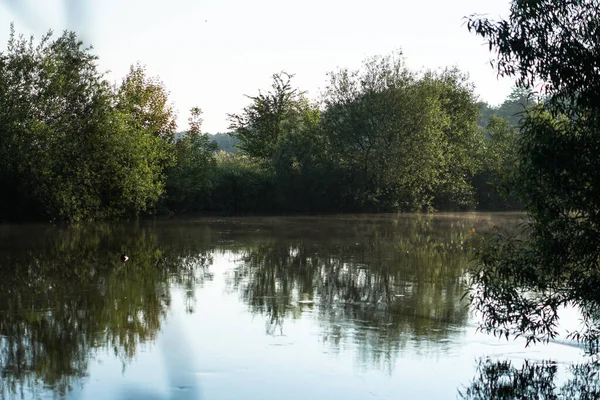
[382, 138]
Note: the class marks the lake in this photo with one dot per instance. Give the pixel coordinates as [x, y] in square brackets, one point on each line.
[330, 307]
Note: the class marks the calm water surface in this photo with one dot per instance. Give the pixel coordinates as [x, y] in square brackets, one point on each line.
[348, 307]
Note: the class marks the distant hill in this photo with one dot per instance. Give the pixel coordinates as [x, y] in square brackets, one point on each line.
[511, 109]
[225, 141]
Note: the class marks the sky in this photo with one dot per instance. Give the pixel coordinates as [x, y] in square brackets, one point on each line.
[210, 53]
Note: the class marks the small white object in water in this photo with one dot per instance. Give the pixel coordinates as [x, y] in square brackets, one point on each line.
[306, 302]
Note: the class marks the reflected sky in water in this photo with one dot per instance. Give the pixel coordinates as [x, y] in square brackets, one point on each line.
[347, 307]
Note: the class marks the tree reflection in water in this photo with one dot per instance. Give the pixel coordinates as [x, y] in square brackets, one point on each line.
[533, 380]
[64, 295]
[376, 284]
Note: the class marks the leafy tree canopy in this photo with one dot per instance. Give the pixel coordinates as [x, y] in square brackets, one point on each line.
[520, 286]
[67, 152]
[406, 142]
[553, 44]
[270, 116]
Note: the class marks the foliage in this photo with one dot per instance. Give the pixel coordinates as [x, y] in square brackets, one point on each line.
[461, 142]
[241, 184]
[281, 130]
[520, 286]
[364, 113]
[75, 147]
[146, 100]
[270, 116]
[553, 43]
[494, 183]
[306, 177]
[401, 140]
[67, 153]
[512, 109]
[189, 181]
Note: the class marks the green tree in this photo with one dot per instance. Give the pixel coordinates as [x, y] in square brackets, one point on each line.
[270, 116]
[548, 42]
[512, 108]
[68, 153]
[365, 111]
[280, 130]
[519, 286]
[189, 180]
[495, 181]
[401, 140]
[306, 175]
[516, 104]
[146, 100]
[485, 113]
[242, 184]
[461, 140]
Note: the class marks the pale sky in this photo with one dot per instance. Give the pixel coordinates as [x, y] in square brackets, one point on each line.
[210, 53]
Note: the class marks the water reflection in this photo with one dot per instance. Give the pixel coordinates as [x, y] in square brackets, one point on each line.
[64, 294]
[378, 285]
[501, 379]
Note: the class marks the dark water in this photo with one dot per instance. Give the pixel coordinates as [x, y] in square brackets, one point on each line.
[349, 307]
